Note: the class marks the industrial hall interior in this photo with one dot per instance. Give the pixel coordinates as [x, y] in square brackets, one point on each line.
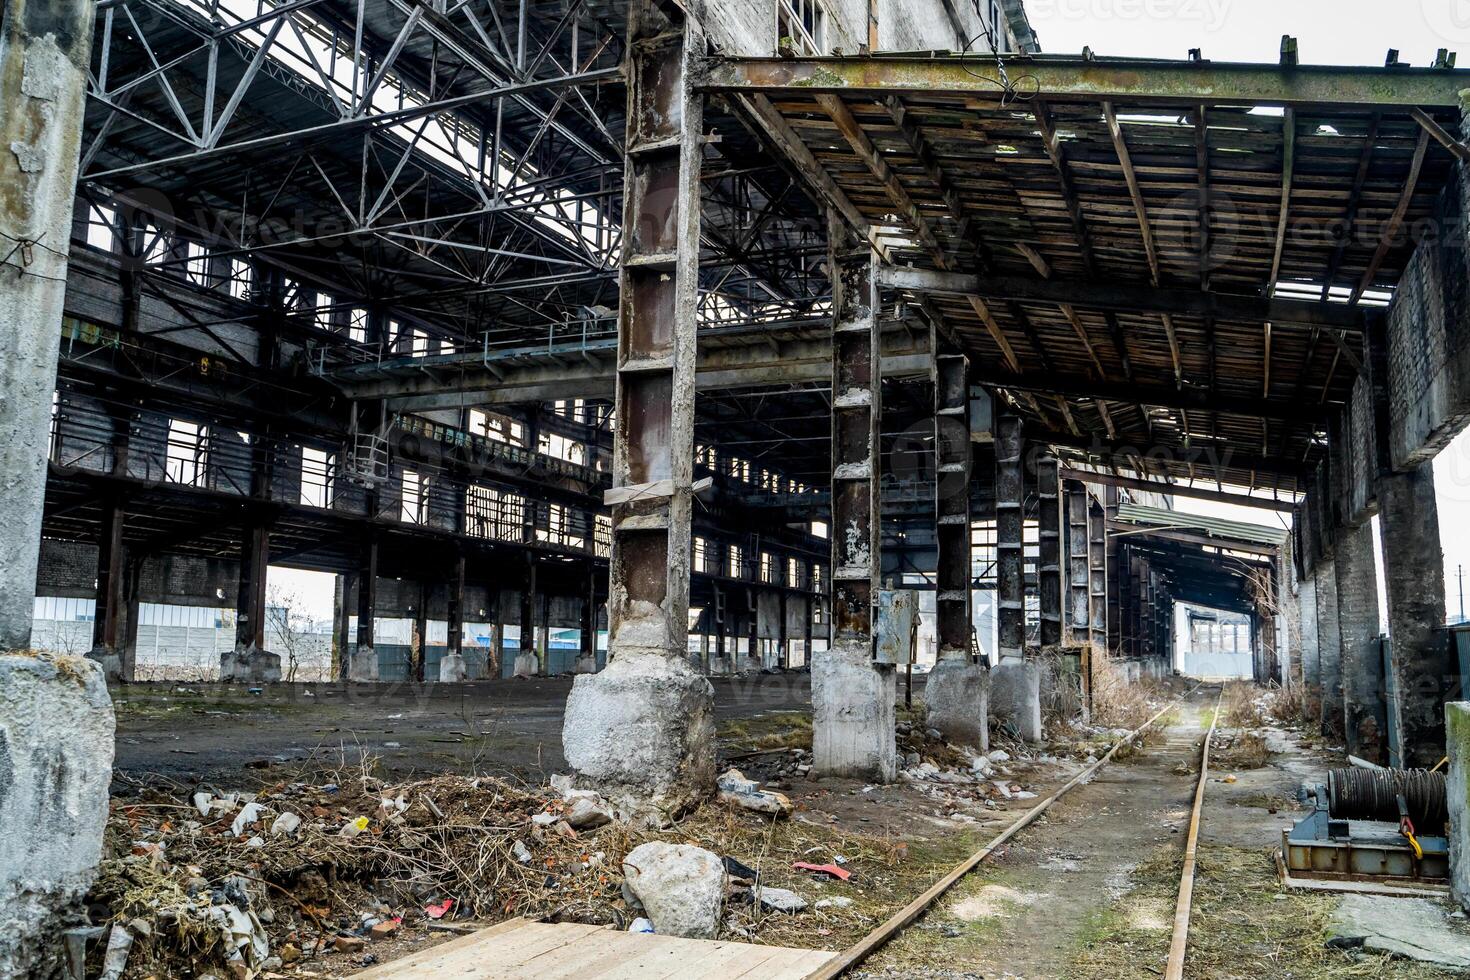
[734, 488]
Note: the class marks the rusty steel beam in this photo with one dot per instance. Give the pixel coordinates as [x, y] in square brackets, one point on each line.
[1129, 80]
[1098, 568]
[1010, 499]
[1079, 573]
[1049, 554]
[952, 458]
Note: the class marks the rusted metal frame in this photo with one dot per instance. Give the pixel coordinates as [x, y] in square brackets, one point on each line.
[1355, 196]
[1098, 577]
[1440, 135]
[455, 611]
[952, 459]
[1078, 620]
[1140, 209]
[1010, 496]
[653, 439]
[1165, 397]
[1107, 296]
[1136, 80]
[857, 390]
[1391, 228]
[774, 127]
[112, 556]
[928, 159]
[1053, 146]
[852, 131]
[1049, 553]
[250, 595]
[1202, 176]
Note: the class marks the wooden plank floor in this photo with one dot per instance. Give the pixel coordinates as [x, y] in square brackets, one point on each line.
[564, 950]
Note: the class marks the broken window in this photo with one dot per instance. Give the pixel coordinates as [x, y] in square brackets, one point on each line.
[318, 476]
[102, 227]
[187, 452]
[492, 513]
[562, 448]
[801, 27]
[701, 554]
[735, 562]
[560, 528]
[411, 510]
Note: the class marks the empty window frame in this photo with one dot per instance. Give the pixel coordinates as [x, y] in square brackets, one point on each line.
[102, 227]
[770, 569]
[801, 26]
[357, 322]
[411, 498]
[196, 264]
[793, 572]
[493, 513]
[318, 477]
[602, 535]
[187, 452]
[701, 555]
[562, 448]
[241, 276]
[561, 528]
[497, 427]
[735, 561]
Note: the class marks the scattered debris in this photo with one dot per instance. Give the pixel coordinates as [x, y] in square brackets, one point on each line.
[841, 874]
[735, 788]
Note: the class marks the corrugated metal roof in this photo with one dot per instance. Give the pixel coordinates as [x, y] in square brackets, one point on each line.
[1215, 527]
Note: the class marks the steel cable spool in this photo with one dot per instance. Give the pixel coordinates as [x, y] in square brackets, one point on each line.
[1372, 794]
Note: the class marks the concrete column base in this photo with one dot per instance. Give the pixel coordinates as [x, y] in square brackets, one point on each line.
[1457, 792]
[853, 715]
[585, 665]
[57, 729]
[249, 665]
[748, 665]
[109, 660]
[642, 732]
[363, 666]
[1015, 697]
[956, 697]
[526, 665]
[719, 666]
[452, 668]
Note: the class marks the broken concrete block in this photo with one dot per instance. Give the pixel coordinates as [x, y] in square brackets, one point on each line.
[452, 668]
[853, 714]
[641, 732]
[585, 813]
[680, 886]
[779, 899]
[1408, 928]
[956, 697]
[56, 744]
[735, 788]
[526, 665]
[1015, 697]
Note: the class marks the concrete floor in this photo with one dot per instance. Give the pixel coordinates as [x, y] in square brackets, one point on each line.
[222, 733]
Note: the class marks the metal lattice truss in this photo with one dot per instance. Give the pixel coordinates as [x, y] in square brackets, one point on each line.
[459, 159]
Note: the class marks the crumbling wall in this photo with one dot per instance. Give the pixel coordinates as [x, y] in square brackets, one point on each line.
[56, 743]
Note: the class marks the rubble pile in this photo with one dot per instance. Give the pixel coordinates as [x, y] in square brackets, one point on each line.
[253, 883]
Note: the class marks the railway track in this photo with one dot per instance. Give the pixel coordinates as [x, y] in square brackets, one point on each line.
[860, 951]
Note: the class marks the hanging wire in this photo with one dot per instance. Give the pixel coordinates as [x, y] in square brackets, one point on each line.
[1010, 91]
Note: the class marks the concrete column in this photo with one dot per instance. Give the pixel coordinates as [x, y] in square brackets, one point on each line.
[1365, 721]
[452, 666]
[1457, 795]
[852, 696]
[364, 665]
[133, 573]
[111, 593]
[528, 661]
[1414, 572]
[1049, 557]
[956, 691]
[721, 664]
[587, 655]
[341, 620]
[250, 661]
[1098, 565]
[1306, 600]
[1117, 570]
[642, 729]
[1329, 650]
[43, 67]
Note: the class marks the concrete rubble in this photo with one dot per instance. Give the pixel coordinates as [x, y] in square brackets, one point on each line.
[679, 886]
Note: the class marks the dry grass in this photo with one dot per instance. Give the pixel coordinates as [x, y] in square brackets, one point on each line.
[1116, 703]
[1238, 707]
[1240, 751]
[1288, 704]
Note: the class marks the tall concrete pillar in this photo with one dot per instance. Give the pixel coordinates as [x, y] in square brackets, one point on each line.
[1311, 660]
[528, 662]
[364, 665]
[1365, 721]
[1414, 572]
[43, 73]
[1077, 621]
[642, 729]
[111, 593]
[341, 621]
[250, 661]
[956, 690]
[587, 634]
[852, 696]
[1329, 650]
[452, 666]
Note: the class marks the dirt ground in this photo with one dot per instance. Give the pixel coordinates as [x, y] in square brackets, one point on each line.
[1088, 892]
[221, 733]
